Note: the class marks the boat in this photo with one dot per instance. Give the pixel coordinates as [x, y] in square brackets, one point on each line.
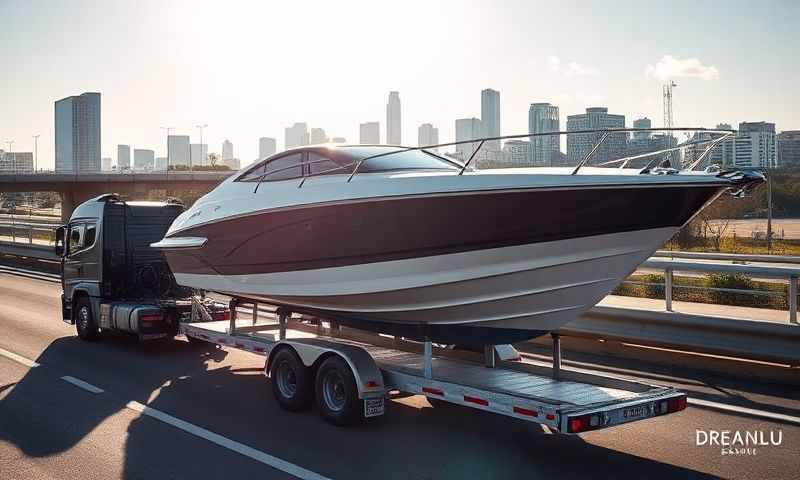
[408, 242]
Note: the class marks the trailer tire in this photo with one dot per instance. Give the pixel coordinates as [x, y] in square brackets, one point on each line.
[85, 323]
[337, 393]
[291, 380]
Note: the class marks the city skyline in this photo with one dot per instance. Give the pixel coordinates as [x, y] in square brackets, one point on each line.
[714, 86]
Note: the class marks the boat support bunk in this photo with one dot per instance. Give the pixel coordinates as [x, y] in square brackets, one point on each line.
[351, 374]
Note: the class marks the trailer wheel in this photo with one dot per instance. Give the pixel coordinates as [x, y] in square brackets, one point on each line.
[291, 380]
[336, 392]
[84, 320]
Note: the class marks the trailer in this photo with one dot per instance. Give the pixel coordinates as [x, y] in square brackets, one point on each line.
[350, 374]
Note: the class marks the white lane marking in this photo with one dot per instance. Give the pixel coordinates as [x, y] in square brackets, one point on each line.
[187, 427]
[81, 384]
[18, 358]
[748, 411]
[225, 442]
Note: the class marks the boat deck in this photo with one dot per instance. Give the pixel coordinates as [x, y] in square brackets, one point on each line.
[518, 380]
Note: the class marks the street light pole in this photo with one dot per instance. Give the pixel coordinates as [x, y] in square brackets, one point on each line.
[201, 127]
[168, 129]
[35, 152]
[14, 161]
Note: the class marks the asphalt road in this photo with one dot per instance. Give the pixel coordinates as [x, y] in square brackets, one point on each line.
[50, 428]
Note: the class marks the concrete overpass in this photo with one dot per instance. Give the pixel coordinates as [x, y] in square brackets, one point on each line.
[75, 189]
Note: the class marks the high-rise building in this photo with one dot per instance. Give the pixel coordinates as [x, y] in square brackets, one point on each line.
[123, 157]
[369, 133]
[393, 119]
[227, 151]
[266, 147]
[755, 145]
[77, 139]
[198, 154]
[490, 118]
[789, 149]
[178, 151]
[161, 164]
[143, 160]
[642, 124]
[105, 164]
[12, 163]
[296, 135]
[318, 136]
[517, 153]
[427, 134]
[579, 145]
[467, 129]
[543, 118]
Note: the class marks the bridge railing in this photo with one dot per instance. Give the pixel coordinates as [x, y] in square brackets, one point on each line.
[789, 274]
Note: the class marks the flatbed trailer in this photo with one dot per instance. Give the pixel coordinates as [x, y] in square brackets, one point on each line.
[373, 367]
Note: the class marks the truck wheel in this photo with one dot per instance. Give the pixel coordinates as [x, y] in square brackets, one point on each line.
[84, 320]
[336, 392]
[291, 380]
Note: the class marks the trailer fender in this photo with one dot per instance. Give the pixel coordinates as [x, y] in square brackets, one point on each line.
[369, 379]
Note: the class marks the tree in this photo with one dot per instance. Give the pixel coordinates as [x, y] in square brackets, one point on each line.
[716, 218]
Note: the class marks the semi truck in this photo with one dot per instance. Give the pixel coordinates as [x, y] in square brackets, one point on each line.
[111, 279]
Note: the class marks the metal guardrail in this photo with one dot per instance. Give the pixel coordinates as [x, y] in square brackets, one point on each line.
[733, 257]
[39, 252]
[671, 266]
[744, 339]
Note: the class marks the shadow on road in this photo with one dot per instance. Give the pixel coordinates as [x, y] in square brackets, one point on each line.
[44, 416]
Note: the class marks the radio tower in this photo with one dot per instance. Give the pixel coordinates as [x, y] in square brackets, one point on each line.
[672, 157]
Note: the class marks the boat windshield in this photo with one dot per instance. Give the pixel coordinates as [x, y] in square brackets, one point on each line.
[399, 160]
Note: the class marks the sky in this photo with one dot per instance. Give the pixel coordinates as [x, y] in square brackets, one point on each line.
[250, 69]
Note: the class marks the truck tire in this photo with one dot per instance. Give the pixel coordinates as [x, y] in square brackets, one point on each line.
[291, 380]
[337, 394]
[85, 323]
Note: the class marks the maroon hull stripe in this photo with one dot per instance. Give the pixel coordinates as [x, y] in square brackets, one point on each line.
[332, 235]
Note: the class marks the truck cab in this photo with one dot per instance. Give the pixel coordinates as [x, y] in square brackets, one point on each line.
[111, 278]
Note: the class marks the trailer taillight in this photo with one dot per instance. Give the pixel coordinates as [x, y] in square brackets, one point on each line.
[151, 318]
[585, 422]
[223, 315]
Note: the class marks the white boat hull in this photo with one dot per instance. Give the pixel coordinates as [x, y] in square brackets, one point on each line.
[537, 287]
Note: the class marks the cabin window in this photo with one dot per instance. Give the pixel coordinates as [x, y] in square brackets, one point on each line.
[82, 237]
[319, 164]
[76, 235]
[270, 170]
[284, 168]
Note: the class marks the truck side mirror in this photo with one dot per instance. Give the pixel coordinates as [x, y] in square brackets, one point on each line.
[61, 246]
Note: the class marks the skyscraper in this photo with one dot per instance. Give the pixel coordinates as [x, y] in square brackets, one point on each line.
[318, 136]
[123, 157]
[369, 133]
[178, 150]
[427, 134]
[296, 135]
[77, 139]
[642, 123]
[580, 145]
[143, 159]
[105, 164]
[789, 148]
[12, 163]
[227, 152]
[198, 154]
[755, 145]
[161, 164]
[393, 118]
[490, 118]
[467, 129]
[266, 147]
[543, 118]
